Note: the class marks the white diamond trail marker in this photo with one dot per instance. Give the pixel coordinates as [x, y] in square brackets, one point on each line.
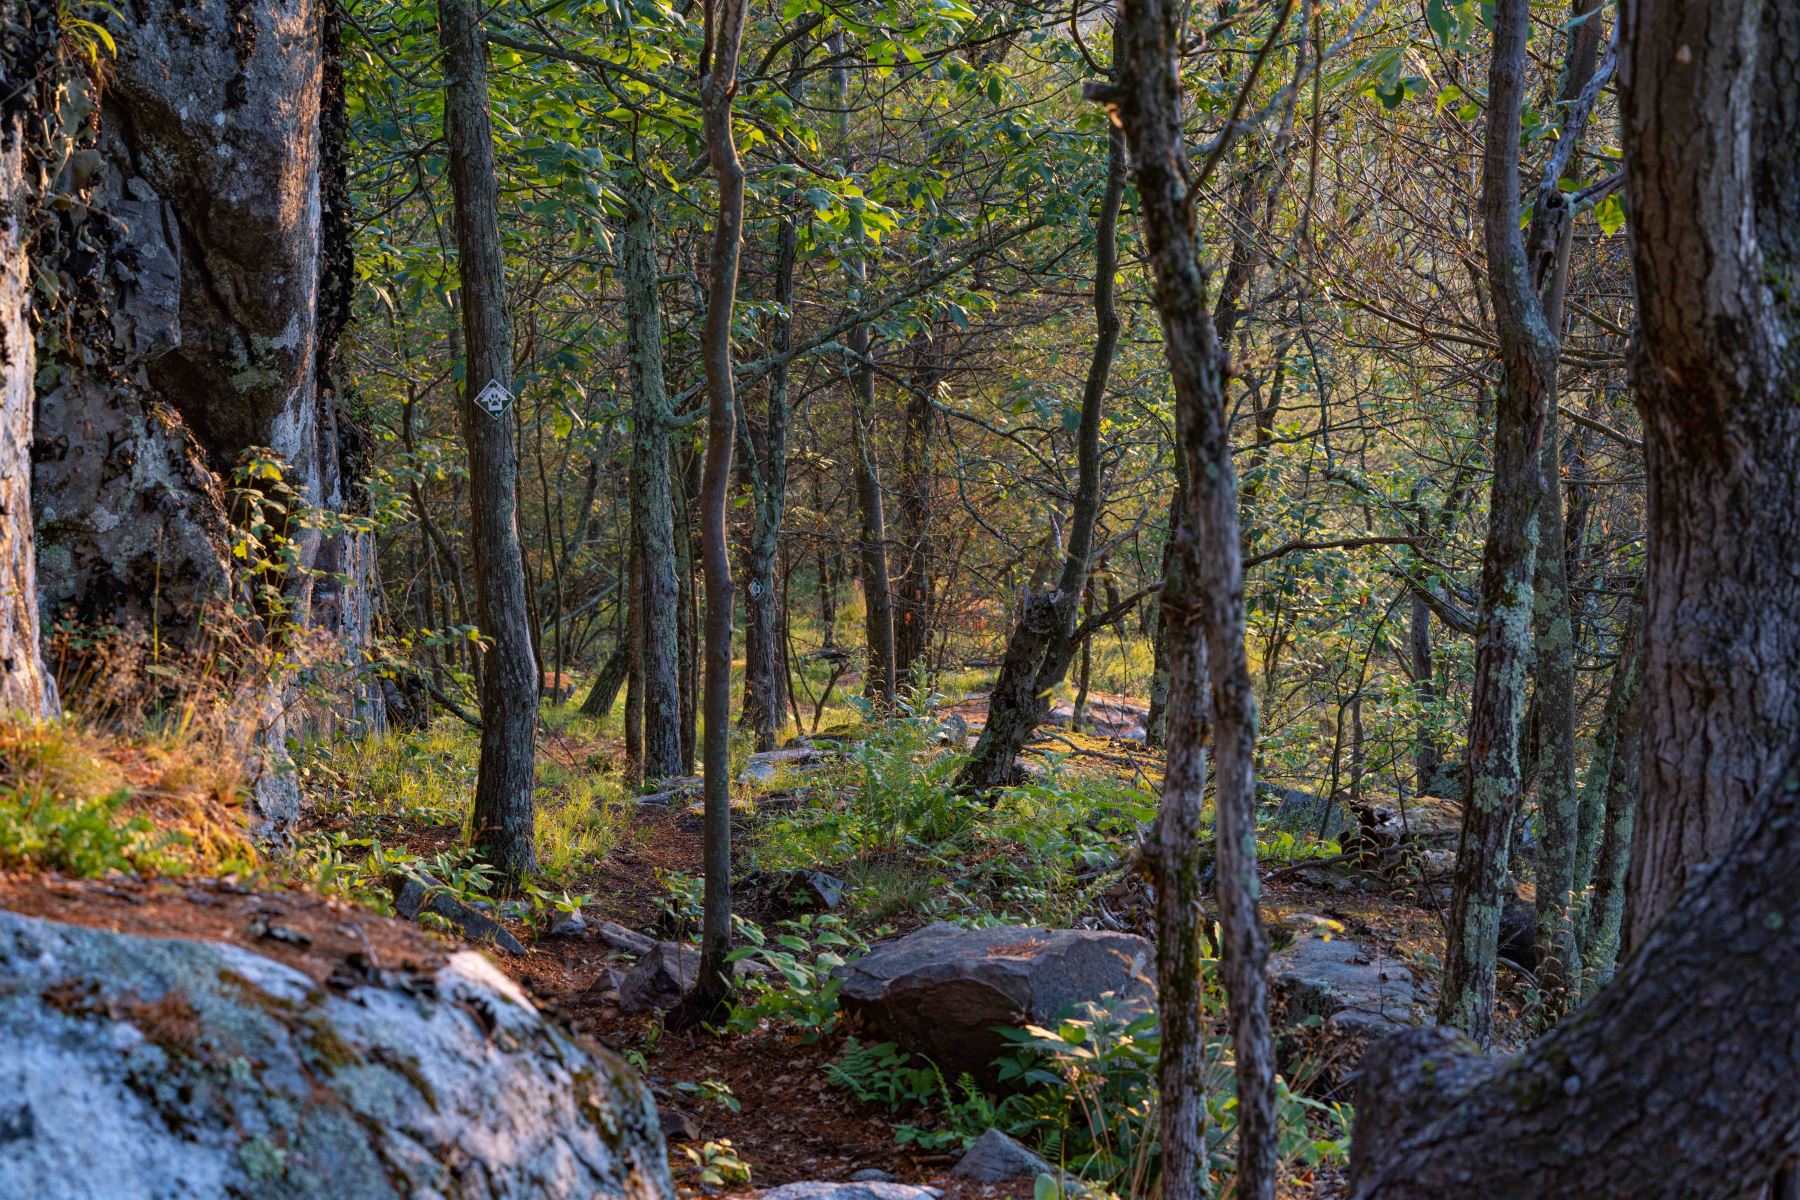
[493, 399]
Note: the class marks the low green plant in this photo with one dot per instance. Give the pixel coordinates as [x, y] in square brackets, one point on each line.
[798, 988]
[713, 1091]
[717, 1165]
[84, 836]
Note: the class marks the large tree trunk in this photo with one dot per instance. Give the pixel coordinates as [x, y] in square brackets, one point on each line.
[1203, 605]
[502, 824]
[26, 688]
[1711, 113]
[658, 591]
[1676, 1080]
[725, 28]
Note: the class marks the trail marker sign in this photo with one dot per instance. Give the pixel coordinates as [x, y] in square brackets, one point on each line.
[493, 399]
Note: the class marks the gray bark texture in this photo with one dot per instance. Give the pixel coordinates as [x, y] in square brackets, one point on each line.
[1211, 703]
[658, 593]
[503, 820]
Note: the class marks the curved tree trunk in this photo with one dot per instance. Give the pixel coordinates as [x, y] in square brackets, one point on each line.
[725, 30]
[502, 824]
[1042, 644]
[1525, 288]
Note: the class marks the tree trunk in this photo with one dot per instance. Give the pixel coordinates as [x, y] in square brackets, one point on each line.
[764, 679]
[502, 824]
[1553, 651]
[1041, 646]
[1676, 1080]
[652, 502]
[600, 697]
[725, 29]
[879, 681]
[1609, 802]
[1428, 752]
[913, 591]
[1712, 106]
[26, 688]
[1528, 352]
[1203, 604]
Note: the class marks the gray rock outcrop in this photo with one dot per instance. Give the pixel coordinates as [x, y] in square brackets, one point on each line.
[1351, 988]
[137, 1068]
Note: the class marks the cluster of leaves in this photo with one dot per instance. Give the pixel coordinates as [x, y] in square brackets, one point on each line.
[799, 988]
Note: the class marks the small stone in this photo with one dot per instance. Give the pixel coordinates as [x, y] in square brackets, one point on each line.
[678, 1126]
[872, 1175]
[995, 1157]
[820, 1190]
[572, 925]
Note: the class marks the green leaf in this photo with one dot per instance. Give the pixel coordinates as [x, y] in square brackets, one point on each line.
[1610, 213]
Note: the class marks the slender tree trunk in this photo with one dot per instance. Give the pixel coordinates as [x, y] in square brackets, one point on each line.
[1553, 653]
[764, 697]
[725, 29]
[1428, 753]
[688, 617]
[1203, 603]
[1695, 1032]
[502, 824]
[1156, 721]
[879, 683]
[652, 502]
[913, 592]
[1520, 279]
[634, 666]
[26, 688]
[1042, 644]
[1609, 802]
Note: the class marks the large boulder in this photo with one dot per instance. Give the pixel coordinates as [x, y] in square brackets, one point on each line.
[136, 1068]
[944, 991]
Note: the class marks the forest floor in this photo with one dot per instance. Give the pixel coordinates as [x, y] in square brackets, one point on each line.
[758, 1094]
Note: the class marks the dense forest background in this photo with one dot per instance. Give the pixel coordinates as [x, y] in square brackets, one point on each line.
[1278, 514]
